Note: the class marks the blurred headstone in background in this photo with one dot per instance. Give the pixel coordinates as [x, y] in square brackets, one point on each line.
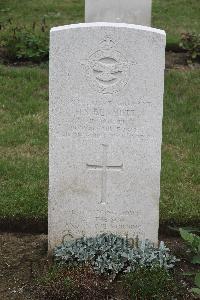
[119, 11]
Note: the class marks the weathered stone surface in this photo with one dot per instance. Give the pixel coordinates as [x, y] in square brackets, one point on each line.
[106, 104]
[119, 11]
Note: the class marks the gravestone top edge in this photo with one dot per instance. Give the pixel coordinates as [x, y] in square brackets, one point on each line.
[108, 24]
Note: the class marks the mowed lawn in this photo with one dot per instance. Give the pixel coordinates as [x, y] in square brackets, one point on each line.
[174, 16]
[24, 145]
[23, 141]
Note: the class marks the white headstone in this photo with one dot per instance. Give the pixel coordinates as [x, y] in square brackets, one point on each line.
[119, 11]
[106, 105]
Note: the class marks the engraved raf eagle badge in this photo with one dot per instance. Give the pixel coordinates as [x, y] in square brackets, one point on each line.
[107, 69]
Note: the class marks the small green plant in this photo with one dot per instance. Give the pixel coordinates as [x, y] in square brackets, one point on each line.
[196, 290]
[154, 283]
[193, 241]
[110, 254]
[24, 43]
[191, 43]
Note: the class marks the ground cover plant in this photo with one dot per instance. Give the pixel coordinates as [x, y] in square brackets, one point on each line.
[111, 255]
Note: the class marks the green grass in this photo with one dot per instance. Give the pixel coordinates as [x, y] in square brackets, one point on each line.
[152, 283]
[24, 144]
[56, 12]
[174, 16]
[24, 141]
[180, 180]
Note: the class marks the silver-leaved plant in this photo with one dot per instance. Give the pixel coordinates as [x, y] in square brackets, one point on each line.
[110, 254]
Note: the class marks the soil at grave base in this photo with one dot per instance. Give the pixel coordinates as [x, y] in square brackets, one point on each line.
[174, 60]
[178, 61]
[23, 259]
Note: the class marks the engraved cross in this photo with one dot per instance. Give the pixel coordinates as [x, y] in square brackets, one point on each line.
[104, 167]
